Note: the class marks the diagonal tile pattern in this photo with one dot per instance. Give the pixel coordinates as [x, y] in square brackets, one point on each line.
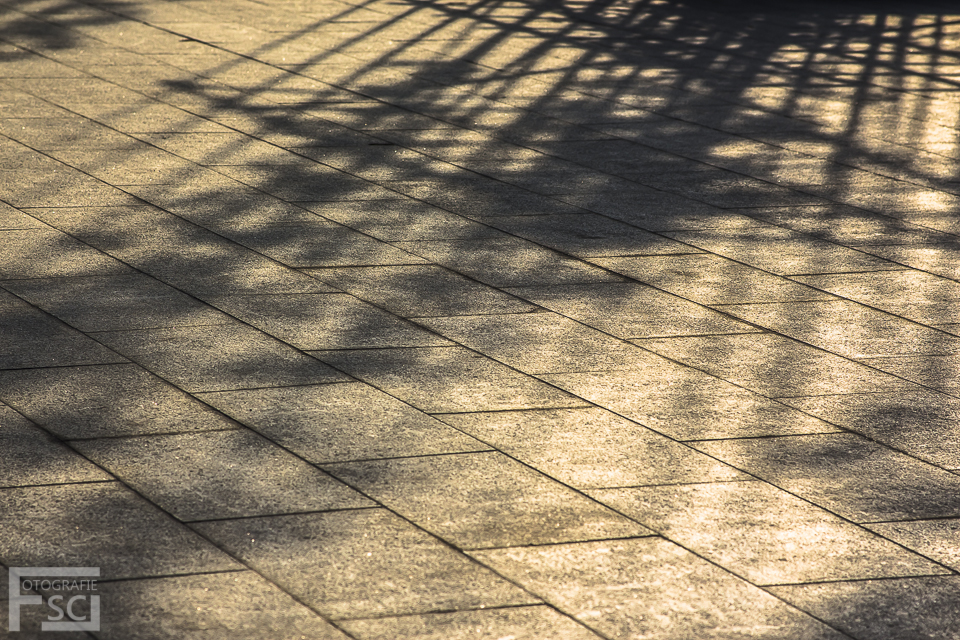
[384, 319]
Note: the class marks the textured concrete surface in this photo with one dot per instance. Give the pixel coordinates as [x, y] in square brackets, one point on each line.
[493, 319]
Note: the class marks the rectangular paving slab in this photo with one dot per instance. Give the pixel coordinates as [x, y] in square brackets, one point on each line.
[828, 470]
[590, 447]
[764, 534]
[362, 563]
[484, 500]
[103, 401]
[650, 587]
[226, 474]
[340, 422]
[100, 524]
[32, 457]
[774, 365]
[219, 357]
[447, 379]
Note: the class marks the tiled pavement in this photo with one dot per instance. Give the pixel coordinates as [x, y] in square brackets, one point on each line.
[483, 319]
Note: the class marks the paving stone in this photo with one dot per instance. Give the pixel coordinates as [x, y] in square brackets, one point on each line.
[179, 253]
[584, 235]
[781, 251]
[326, 321]
[227, 474]
[413, 291]
[631, 310]
[305, 183]
[484, 500]
[710, 279]
[48, 134]
[922, 423]
[145, 165]
[686, 404]
[540, 342]
[320, 244]
[219, 148]
[45, 252]
[519, 623]
[847, 328]
[103, 401]
[31, 338]
[14, 219]
[764, 534]
[219, 357]
[340, 422]
[898, 609]
[398, 220]
[480, 197]
[447, 379]
[32, 457]
[590, 448]
[828, 470]
[218, 606]
[650, 587]
[100, 524]
[106, 303]
[362, 563]
[935, 539]
[507, 261]
[915, 295]
[774, 365]
[941, 373]
[849, 226]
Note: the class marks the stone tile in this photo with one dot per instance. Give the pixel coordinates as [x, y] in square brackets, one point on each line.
[100, 524]
[220, 357]
[898, 609]
[922, 423]
[586, 234]
[481, 500]
[326, 321]
[686, 404]
[319, 244]
[850, 226]
[306, 183]
[650, 587]
[591, 448]
[399, 220]
[415, 291]
[177, 252]
[764, 534]
[831, 471]
[31, 338]
[915, 295]
[781, 251]
[847, 328]
[221, 148]
[631, 310]
[710, 279]
[14, 219]
[109, 303]
[447, 379]
[938, 259]
[220, 606]
[774, 365]
[362, 563]
[340, 422]
[507, 261]
[45, 252]
[227, 474]
[47, 134]
[519, 623]
[941, 373]
[540, 342]
[935, 539]
[32, 457]
[143, 165]
[103, 401]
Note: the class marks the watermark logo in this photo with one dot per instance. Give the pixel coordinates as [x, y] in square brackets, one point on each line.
[74, 589]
